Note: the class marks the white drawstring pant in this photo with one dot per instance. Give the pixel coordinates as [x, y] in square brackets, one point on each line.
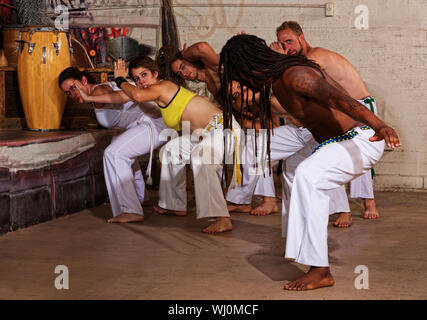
[206, 158]
[328, 168]
[123, 177]
[256, 181]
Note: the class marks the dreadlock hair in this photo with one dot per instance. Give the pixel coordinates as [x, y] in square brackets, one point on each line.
[73, 73]
[248, 60]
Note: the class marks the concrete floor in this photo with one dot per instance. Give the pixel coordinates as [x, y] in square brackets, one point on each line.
[167, 257]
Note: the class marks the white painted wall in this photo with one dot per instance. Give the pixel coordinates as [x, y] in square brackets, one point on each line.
[391, 56]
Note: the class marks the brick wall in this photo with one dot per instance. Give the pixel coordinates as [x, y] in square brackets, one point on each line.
[391, 56]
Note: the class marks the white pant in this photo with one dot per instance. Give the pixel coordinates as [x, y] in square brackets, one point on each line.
[328, 168]
[338, 196]
[362, 187]
[123, 178]
[255, 182]
[295, 144]
[206, 158]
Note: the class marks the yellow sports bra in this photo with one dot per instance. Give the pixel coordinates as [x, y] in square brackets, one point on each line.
[172, 112]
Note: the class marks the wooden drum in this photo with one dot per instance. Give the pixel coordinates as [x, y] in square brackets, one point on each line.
[10, 34]
[43, 53]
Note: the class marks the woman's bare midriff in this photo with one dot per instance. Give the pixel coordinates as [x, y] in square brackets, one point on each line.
[199, 112]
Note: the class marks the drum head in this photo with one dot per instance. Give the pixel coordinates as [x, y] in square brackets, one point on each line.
[41, 29]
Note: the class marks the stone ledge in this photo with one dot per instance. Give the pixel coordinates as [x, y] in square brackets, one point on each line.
[28, 197]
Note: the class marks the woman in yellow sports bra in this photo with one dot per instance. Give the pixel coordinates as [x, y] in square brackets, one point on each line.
[178, 104]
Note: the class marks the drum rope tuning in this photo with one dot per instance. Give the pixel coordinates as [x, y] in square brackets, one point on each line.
[31, 45]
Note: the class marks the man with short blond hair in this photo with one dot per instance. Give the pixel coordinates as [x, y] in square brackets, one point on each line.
[292, 25]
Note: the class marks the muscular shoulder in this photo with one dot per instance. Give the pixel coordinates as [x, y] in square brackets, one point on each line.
[205, 48]
[327, 58]
[203, 52]
[298, 77]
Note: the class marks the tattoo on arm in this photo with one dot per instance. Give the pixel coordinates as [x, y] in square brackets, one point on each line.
[312, 86]
[308, 84]
[305, 84]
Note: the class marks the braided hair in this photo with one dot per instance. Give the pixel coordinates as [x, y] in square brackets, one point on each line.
[248, 60]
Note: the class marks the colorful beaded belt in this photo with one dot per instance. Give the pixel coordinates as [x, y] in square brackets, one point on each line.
[346, 136]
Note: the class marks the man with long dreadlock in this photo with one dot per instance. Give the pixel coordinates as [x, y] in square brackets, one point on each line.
[291, 40]
[350, 140]
[199, 62]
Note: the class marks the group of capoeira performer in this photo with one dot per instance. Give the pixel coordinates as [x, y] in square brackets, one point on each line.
[332, 137]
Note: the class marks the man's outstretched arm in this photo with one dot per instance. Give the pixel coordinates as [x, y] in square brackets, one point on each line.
[201, 51]
[307, 82]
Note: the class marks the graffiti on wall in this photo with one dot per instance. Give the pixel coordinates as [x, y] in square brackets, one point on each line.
[94, 39]
[76, 8]
[80, 8]
[205, 23]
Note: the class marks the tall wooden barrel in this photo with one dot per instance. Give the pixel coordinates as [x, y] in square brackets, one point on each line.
[44, 52]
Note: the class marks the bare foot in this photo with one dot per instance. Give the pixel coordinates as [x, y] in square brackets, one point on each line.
[316, 277]
[371, 211]
[233, 207]
[126, 217]
[221, 224]
[166, 211]
[268, 206]
[344, 220]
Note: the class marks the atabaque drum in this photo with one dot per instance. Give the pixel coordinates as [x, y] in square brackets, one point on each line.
[43, 52]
